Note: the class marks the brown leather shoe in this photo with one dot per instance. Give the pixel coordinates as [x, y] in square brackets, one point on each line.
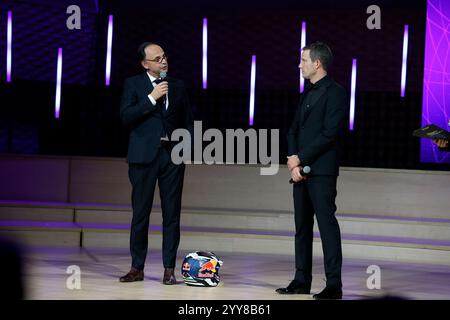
[169, 276]
[133, 275]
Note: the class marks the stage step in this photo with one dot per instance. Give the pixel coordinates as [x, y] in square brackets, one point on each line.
[39, 233]
[388, 226]
[92, 225]
[36, 211]
[381, 248]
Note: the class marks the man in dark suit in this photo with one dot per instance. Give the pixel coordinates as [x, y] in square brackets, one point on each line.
[153, 108]
[312, 142]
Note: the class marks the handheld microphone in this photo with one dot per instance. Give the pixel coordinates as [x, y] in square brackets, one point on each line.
[304, 173]
[163, 75]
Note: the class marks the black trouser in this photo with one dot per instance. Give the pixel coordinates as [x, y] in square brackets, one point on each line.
[317, 195]
[170, 181]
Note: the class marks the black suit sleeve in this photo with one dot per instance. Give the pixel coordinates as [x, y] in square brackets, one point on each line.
[131, 108]
[334, 115]
[292, 133]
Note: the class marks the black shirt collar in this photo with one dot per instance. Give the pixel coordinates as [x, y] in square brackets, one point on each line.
[322, 82]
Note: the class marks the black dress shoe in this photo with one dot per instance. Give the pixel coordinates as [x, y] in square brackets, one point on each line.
[133, 275]
[295, 287]
[169, 276]
[329, 293]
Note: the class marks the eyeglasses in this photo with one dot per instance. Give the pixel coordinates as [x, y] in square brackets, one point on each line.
[158, 59]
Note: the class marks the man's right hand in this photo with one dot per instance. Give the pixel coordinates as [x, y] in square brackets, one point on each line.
[441, 143]
[293, 161]
[160, 90]
[296, 175]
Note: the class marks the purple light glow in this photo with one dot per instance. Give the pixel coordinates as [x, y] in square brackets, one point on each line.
[9, 47]
[352, 97]
[205, 53]
[58, 83]
[436, 79]
[404, 60]
[108, 52]
[252, 89]
[302, 45]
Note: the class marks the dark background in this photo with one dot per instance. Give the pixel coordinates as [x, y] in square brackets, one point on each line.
[89, 123]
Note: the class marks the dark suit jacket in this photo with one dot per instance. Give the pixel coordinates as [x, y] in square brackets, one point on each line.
[147, 121]
[313, 133]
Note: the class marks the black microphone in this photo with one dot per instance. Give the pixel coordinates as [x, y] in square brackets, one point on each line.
[304, 173]
[162, 75]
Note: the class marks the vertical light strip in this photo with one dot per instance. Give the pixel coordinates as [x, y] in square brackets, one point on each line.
[302, 45]
[404, 60]
[205, 53]
[352, 98]
[9, 47]
[252, 89]
[108, 51]
[58, 83]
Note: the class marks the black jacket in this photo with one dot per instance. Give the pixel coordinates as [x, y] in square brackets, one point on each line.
[147, 121]
[313, 133]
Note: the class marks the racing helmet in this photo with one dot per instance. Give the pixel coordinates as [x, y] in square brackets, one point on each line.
[201, 269]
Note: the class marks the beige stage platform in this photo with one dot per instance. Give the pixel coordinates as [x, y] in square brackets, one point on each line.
[394, 218]
[244, 277]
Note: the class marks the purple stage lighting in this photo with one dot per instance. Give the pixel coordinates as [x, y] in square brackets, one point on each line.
[108, 52]
[9, 47]
[352, 97]
[58, 83]
[436, 79]
[404, 60]
[302, 45]
[205, 53]
[252, 89]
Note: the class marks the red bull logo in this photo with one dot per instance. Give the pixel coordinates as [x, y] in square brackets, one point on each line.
[209, 266]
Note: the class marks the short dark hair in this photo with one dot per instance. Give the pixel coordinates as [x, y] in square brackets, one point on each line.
[320, 51]
[141, 50]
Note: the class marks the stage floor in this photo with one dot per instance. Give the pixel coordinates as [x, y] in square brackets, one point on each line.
[244, 277]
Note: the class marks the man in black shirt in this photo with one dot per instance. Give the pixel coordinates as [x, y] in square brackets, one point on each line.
[312, 142]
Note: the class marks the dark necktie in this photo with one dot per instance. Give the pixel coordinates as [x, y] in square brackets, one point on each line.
[162, 104]
[163, 98]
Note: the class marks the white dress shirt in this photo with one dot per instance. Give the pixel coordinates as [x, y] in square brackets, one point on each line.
[152, 79]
